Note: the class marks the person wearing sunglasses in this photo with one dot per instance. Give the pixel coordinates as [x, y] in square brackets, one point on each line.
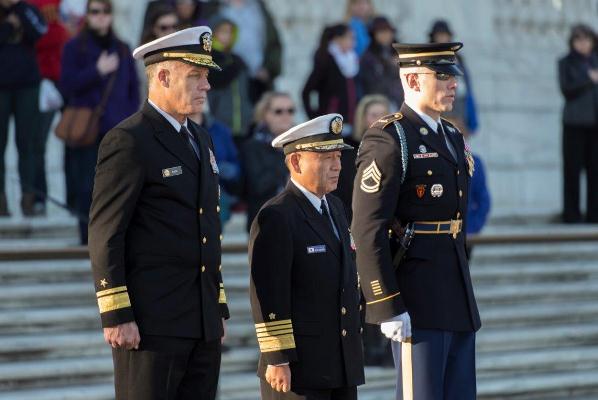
[162, 21]
[413, 173]
[97, 67]
[263, 166]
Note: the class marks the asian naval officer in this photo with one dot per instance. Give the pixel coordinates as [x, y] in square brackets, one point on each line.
[413, 174]
[304, 286]
[155, 234]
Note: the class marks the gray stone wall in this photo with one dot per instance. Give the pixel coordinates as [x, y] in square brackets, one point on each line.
[511, 48]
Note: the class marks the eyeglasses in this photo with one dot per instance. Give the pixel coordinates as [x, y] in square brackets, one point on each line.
[441, 76]
[98, 11]
[164, 28]
[280, 111]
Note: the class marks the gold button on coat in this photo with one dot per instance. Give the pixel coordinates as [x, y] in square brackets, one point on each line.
[460, 193]
[344, 332]
[203, 268]
[343, 310]
[204, 240]
[217, 208]
[200, 211]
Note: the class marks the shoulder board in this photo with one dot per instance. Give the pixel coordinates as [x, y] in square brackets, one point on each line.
[387, 120]
[450, 126]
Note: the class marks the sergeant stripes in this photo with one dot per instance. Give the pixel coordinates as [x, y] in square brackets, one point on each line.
[370, 179]
[275, 336]
[113, 299]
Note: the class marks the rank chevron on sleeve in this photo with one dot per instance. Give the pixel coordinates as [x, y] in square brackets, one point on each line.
[370, 179]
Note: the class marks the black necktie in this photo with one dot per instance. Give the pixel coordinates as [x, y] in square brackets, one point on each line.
[190, 139]
[443, 137]
[326, 216]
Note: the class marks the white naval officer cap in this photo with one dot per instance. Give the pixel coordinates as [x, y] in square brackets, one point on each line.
[320, 134]
[191, 45]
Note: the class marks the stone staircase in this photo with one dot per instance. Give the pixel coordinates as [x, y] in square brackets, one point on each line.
[539, 306]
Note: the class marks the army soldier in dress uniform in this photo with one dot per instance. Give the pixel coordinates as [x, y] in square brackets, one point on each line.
[304, 284]
[414, 171]
[155, 234]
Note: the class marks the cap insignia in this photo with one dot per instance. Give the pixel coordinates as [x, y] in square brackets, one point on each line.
[206, 41]
[336, 125]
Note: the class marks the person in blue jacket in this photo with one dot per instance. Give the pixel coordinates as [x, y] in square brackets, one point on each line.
[227, 160]
[479, 199]
[89, 61]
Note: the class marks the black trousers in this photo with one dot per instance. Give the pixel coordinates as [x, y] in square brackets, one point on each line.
[344, 393]
[580, 147]
[23, 104]
[167, 368]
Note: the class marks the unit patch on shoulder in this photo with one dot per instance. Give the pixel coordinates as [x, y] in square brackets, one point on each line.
[387, 120]
[370, 179]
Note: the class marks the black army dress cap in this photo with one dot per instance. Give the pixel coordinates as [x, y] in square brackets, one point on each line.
[320, 134]
[439, 57]
[192, 46]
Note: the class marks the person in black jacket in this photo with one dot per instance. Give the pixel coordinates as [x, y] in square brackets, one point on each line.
[578, 79]
[21, 26]
[304, 285]
[334, 75]
[155, 233]
[262, 165]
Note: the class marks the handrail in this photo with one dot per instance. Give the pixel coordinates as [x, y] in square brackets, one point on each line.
[81, 252]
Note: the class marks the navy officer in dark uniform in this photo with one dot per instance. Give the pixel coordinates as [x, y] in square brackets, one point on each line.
[304, 284]
[154, 232]
[414, 172]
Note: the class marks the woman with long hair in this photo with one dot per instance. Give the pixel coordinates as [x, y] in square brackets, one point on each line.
[369, 110]
[334, 75]
[163, 20]
[96, 64]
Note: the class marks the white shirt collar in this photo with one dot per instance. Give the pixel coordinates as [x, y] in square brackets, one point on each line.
[175, 124]
[313, 199]
[425, 117]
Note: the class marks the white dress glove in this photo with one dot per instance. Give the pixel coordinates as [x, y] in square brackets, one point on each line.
[397, 328]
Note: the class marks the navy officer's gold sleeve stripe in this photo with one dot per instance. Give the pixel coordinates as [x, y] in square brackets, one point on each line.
[275, 335]
[222, 295]
[113, 299]
[384, 299]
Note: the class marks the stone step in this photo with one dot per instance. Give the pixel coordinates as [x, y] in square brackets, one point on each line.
[47, 227]
[77, 293]
[534, 253]
[532, 293]
[95, 368]
[29, 294]
[537, 337]
[564, 358]
[73, 270]
[98, 391]
[534, 272]
[531, 314]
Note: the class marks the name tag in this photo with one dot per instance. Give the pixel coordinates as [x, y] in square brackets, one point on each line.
[174, 171]
[419, 156]
[316, 249]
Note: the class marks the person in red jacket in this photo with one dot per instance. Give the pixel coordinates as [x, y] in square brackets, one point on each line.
[49, 53]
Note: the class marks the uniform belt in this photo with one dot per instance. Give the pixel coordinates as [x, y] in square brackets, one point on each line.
[452, 227]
